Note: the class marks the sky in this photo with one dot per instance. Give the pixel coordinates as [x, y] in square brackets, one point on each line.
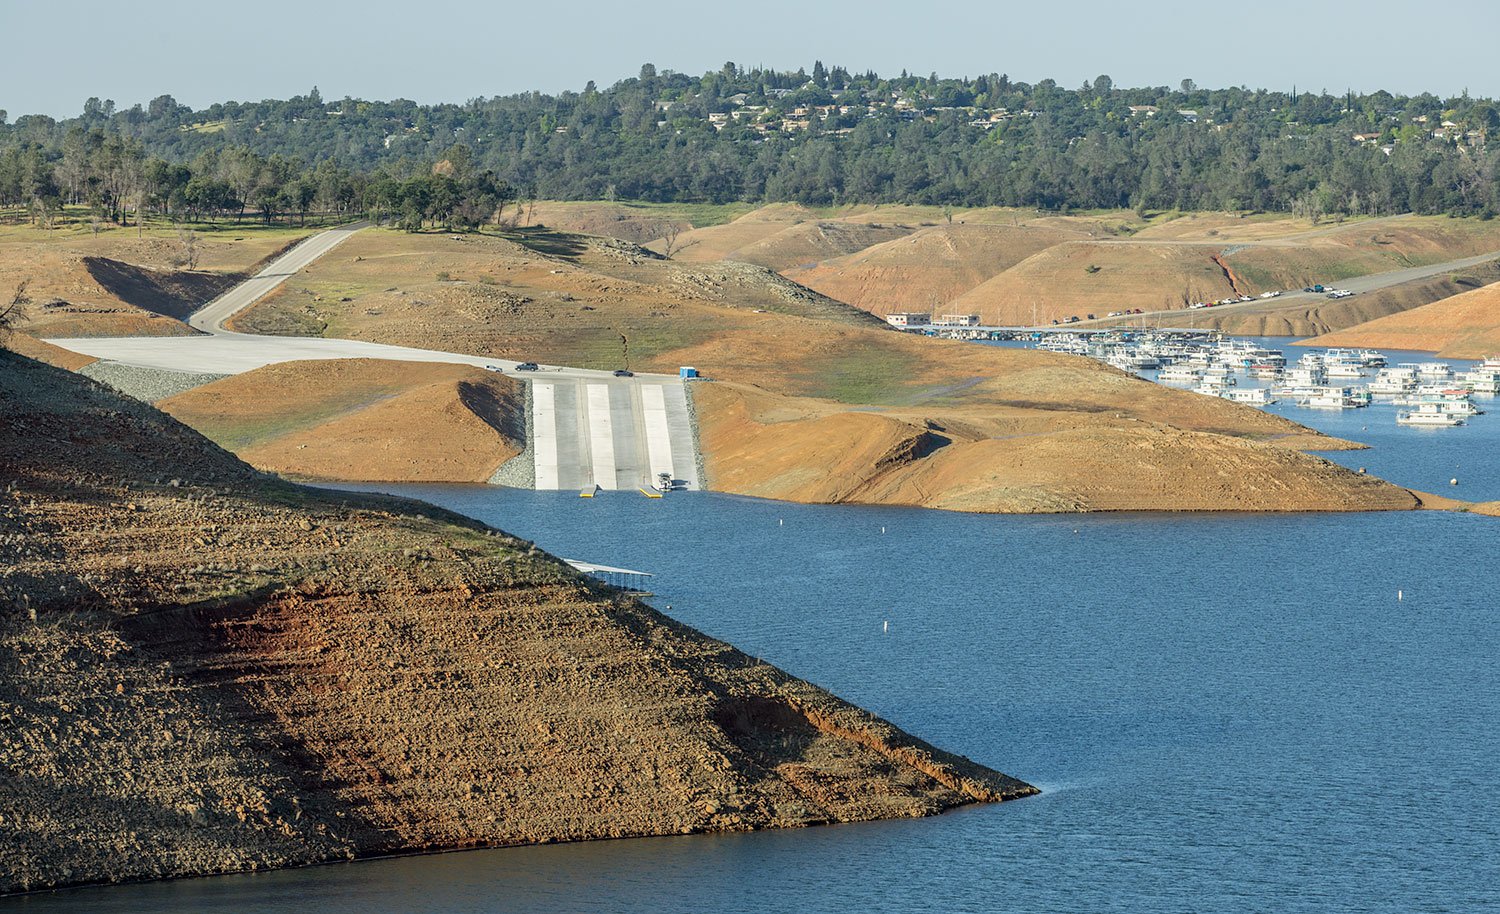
[57, 53]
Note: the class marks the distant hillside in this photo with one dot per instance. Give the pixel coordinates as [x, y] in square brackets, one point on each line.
[825, 137]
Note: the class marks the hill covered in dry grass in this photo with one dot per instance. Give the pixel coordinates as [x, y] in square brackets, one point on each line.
[125, 282]
[814, 399]
[1463, 326]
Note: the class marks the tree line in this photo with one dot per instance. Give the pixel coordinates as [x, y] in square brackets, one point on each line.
[986, 140]
[121, 182]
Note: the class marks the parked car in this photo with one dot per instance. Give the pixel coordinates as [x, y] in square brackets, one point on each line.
[1091, 317]
[527, 366]
[624, 373]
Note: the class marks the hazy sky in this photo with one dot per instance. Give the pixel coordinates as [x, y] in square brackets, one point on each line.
[59, 52]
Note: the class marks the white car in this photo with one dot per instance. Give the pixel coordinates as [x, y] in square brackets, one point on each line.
[1269, 294]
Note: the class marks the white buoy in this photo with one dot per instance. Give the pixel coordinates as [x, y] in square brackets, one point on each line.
[882, 529]
[780, 522]
[1453, 481]
[1400, 596]
[886, 625]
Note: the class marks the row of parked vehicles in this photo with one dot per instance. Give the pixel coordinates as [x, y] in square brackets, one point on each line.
[1316, 288]
[1320, 289]
[532, 366]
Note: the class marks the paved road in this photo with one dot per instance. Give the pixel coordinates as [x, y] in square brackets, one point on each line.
[211, 317]
[590, 427]
[1359, 285]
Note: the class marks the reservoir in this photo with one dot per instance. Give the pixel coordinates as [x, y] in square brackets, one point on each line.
[1225, 712]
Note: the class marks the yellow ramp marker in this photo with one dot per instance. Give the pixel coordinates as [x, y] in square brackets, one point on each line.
[650, 494]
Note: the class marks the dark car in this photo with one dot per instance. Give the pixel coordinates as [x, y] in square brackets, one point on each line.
[624, 373]
[527, 366]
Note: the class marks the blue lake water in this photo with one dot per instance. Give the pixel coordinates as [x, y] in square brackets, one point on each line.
[1226, 713]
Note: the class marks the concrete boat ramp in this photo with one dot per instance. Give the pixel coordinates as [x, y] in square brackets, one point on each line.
[588, 433]
[589, 428]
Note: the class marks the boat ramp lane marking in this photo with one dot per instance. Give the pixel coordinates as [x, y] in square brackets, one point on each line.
[544, 430]
[658, 432]
[601, 436]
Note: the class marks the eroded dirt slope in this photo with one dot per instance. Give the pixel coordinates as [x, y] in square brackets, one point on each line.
[205, 670]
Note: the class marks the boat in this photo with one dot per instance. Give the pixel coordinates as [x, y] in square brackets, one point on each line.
[1179, 374]
[1305, 375]
[1255, 396]
[1434, 370]
[1480, 381]
[1429, 415]
[1397, 380]
[1458, 404]
[1331, 398]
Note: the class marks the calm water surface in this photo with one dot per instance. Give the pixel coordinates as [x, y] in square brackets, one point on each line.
[1225, 713]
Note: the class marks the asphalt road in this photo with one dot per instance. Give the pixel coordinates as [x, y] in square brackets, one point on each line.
[590, 427]
[1359, 285]
[211, 317]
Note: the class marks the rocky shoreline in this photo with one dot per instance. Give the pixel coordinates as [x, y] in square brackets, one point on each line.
[206, 670]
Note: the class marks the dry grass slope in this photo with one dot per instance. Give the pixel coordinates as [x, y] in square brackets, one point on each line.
[1465, 326]
[362, 419]
[125, 283]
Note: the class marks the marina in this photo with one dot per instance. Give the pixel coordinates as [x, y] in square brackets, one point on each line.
[1257, 372]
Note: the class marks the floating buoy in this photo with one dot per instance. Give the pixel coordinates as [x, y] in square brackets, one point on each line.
[1453, 481]
[882, 529]
[780, 522]
[886, 625]
[1400, 596]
